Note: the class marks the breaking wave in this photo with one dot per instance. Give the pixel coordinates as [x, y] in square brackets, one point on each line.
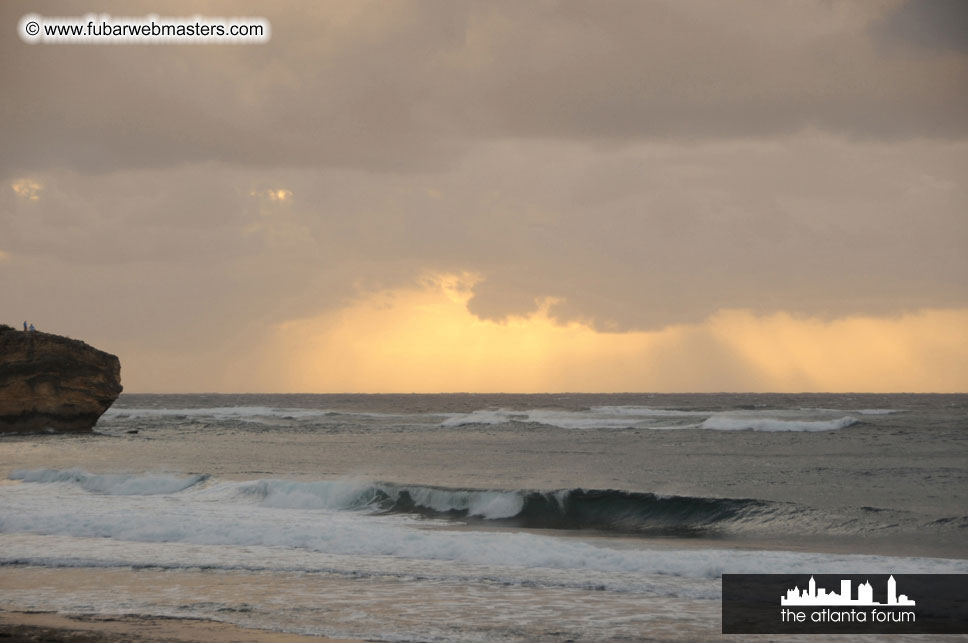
[728, 423]
[112, 484]
[597, 417]
[600, 510]
[607, 510]
[641, 417]
[604, 510]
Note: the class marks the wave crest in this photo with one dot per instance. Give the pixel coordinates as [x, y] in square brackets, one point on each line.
[111, 484]
[728, 423]
[604, 510]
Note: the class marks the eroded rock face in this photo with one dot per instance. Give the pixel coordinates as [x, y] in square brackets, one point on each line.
[49, 382]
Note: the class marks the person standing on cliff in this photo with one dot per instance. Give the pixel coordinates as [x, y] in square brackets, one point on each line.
[25, 326]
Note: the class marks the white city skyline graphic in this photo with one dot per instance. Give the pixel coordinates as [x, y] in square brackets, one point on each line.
[811, 595]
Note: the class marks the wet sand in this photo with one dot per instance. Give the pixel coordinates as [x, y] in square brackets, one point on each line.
[48, 627]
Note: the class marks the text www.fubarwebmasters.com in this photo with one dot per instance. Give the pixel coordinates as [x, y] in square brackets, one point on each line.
[150, 29]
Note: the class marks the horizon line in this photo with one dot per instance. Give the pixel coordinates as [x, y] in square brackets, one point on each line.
[543, 393]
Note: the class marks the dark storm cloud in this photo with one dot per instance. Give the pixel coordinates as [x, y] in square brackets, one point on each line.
[311, 96]
[641, 239]
[411, 85]
[932, 24]
[622, 239]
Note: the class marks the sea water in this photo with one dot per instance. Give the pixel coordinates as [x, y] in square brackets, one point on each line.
[476, 517]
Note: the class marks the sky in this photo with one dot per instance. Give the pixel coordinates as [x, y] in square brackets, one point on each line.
[505, 195]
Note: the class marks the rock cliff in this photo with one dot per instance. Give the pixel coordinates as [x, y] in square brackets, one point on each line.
[49, 382]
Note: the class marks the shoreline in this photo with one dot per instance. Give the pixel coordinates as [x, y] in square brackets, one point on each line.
[53, 627]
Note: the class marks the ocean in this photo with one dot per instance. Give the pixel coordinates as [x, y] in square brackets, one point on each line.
[465, 517]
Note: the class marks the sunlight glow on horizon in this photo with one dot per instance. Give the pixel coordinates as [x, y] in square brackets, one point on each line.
[423, 339]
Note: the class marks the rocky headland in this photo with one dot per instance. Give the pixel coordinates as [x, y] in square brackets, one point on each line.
[53, 383]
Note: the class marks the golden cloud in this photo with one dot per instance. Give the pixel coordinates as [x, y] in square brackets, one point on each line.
[423, 339]
[27, 189]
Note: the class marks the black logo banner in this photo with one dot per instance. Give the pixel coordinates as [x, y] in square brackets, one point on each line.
[845, 604]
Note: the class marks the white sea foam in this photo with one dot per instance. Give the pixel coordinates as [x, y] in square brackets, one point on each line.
[486, 504]
[640, 417]
[726, 422]
[111, 484]
[484, 416]
[348, 495]
[687, 572]
[857, 411]
[644, 411]
[290, 494]
[599, 417]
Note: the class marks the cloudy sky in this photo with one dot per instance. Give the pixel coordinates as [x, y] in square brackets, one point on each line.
[500, 195]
